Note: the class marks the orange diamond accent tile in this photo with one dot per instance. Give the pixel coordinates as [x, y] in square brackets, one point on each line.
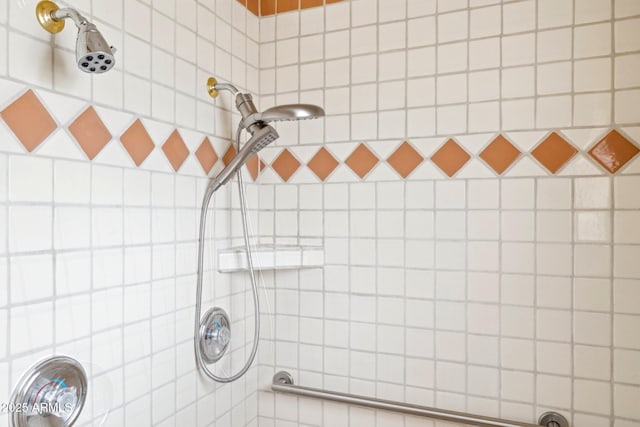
[322, 164]
[285, 165]
[206, 155]
[137, 142]
[362, 160]
[554, 152]
[175, 150]
[255, 166]
[90, 132]
[450, 158]
[405, 159]
[29, 120]
[613, 151]
[500, 154]
[229, 155]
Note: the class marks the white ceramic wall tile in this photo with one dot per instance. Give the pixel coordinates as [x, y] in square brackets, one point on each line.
[30, 179]
[30, 228]
[31, 278]
[592, 193]
[500, 301]
[25, 323]
[88, 211]
[555, 14]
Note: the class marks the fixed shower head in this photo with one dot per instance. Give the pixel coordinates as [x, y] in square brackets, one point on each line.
[93, 53]
[256, 123]
[290, 112]
[263, 135]
[251, 116]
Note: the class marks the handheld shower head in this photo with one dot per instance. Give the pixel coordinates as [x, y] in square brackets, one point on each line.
[93, 53]
[263, 135]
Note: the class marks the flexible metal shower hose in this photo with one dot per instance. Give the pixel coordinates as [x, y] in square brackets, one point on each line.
[254, 286]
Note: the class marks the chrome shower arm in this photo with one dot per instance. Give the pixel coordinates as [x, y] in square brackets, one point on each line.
[72, 14]
[214, 88]
[228, 87]
[252, 119]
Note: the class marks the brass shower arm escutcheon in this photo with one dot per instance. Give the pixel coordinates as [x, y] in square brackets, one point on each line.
[211, 87]
[44, 13]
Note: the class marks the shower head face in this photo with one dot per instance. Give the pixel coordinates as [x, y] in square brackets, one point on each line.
[291, 112]
[260, 139]
[93, 54]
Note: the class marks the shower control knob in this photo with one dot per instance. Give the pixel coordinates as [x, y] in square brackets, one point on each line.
[66, 402]
[222, 334]
[215, 334]
[54, 390]
[61, 401]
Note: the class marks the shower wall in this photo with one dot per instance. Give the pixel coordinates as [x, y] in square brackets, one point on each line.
[101, 181]
[475, 188]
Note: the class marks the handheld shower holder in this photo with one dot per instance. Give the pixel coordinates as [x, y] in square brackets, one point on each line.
[244, 102]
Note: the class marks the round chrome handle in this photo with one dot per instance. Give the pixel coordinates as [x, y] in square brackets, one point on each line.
[52, 393]
[215, 334]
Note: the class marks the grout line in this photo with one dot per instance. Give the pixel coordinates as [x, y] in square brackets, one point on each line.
[573, 245]
[436, 66]
[151, 290]
[378, 384]
[123, 253]
[466, 298]
[534, 311]
[500, 284]
[91, 367]
[376, 203]
[9, 308]
[613, 56]
[612, 316]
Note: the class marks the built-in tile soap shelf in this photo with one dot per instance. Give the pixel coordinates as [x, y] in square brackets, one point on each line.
[268, 257]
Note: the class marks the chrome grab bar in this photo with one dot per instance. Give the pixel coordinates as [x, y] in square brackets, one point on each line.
[283, 383]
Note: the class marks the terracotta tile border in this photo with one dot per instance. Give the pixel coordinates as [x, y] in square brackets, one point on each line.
[273, 7]
[611, 153]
